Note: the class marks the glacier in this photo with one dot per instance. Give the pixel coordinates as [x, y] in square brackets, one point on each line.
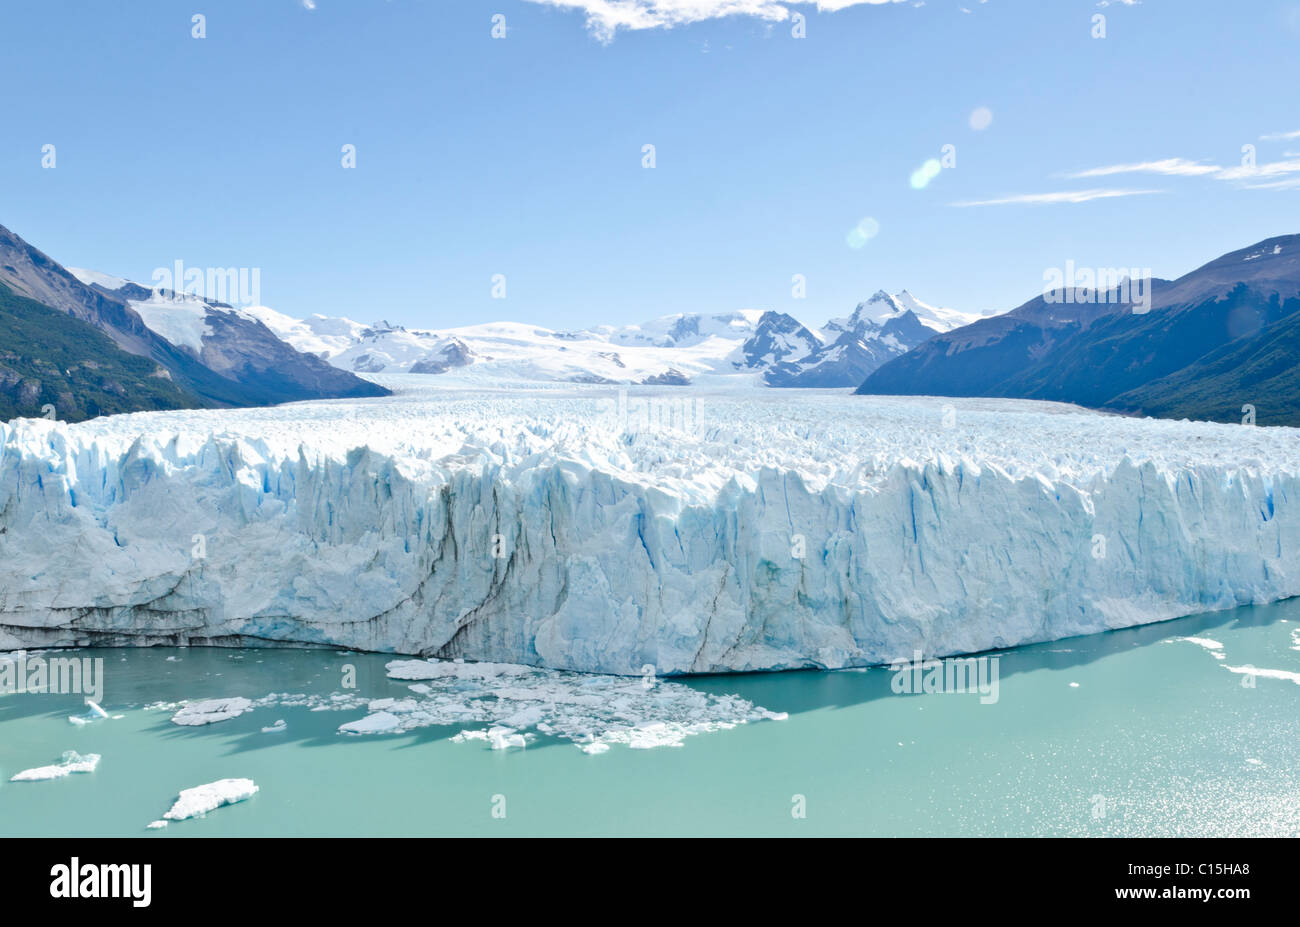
[641, 531]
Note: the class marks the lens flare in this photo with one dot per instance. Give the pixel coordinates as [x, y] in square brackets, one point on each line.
[922, 176]
[863, 232]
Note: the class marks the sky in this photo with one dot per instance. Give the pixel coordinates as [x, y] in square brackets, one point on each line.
[789, 139]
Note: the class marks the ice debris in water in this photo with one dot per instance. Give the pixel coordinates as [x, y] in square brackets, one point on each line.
[1265, 673]
[204, 798]
[72, 762]
[212, 710]
[1213, 646]
[513, 704]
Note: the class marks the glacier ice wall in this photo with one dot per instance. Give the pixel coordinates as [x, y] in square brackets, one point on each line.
[744, 534]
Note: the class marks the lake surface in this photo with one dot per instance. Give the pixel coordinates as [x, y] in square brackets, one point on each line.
[1137, 732]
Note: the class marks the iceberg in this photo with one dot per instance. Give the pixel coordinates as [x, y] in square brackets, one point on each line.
[72, 762]
[600, 531]
[201, 799]
[212, 710]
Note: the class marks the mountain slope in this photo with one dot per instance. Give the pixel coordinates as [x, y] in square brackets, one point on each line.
[49, 358]
[254, 372]
[1092, 353]
[232, 343]
[1260, 372]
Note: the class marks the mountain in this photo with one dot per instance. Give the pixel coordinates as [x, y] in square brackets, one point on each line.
[877, 331]
[243, 366]
[746, 346]
[233, 343]
[1258, 371]
[1207, 346]
[51, 359]
[674, 349]
[778, 339]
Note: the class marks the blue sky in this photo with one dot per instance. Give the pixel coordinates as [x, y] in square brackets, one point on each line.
[522, 156]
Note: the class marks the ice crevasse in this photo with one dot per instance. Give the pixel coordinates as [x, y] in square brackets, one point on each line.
[576, 530]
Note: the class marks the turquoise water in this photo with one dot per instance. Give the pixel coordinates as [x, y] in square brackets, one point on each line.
[1156, 737]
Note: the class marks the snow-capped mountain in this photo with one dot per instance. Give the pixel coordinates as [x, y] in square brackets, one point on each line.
[229, 341]
[104, 357]
[878, 330]
[745, 346]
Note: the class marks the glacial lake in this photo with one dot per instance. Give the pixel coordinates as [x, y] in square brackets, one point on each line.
[1139, 732]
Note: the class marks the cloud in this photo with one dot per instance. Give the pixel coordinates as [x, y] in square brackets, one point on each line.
[606, 17]
[1289, 183]
[1182, 167]
[1270, 169]
[1049, 199]
[1171, 167]
[309, 4]
[1280, 136]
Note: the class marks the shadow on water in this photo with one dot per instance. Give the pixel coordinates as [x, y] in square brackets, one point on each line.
[133, 677]
[812, 690]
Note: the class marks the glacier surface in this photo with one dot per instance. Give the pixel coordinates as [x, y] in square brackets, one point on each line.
[609, 531]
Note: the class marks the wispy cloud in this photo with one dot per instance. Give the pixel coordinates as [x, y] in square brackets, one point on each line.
[1287, 183]
[606, 17]
[1049, 199]
[1271, 169]
[1183, 167]
[1280, 136]
[1170, 167]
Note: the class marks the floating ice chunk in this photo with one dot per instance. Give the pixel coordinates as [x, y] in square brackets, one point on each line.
[466, 736]
[212, 710]
[376, 723]
[1266, 673]
[503, 738]
[95, 709]
[510, 705]
[1211, 645]
[497, 737]
[275, 728]
[204, 798]
[528, 717]
[441, 669]
[72, 762]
